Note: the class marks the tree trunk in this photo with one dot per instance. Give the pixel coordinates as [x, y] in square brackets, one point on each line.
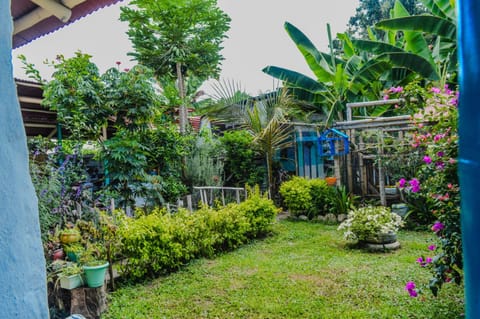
[182, 112]
[269, 173]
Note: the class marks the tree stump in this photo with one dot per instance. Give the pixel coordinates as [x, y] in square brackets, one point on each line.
[89, 302]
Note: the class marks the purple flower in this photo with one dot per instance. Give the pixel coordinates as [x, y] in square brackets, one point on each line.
[386, 97]
[428, 260]
[420, 260]
[440, 154]
[402, 182]
[440, 165]
[415, 184]
[437, 226]
[432, 247]
[427, 159]
[410, 285]
[436, 90]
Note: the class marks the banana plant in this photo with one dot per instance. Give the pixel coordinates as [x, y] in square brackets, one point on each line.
[338, 79]
[410, 49]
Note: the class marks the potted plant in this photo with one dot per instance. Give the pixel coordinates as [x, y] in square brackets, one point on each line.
[372, 224]
[73, 251]
[94, 265]
[69, 235]
[70, 276]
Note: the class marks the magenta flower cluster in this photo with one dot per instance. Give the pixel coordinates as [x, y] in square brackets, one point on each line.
[410, 287]
[414, 185]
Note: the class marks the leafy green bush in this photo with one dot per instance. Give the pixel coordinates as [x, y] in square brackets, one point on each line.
[161, 242]
[323, 198]
[296, 196]
[308, 197]
[241, 160]
[260, 212]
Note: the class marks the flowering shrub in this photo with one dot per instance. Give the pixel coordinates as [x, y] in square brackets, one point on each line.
[437, 185]
[366, 222]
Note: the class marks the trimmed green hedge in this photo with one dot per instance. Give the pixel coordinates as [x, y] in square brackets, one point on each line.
[161, 242]
[310, 197]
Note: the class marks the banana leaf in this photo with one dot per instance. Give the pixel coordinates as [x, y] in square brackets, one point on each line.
[295, 79]
[441, 8]
[314, 58]
[375, 47]
[412, 62]
[422, 23]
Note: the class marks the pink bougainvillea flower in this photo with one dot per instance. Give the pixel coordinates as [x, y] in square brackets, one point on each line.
[386, 97]
[437, 226]
[410, 285]
[452, 161]
[449, 185]
[402, 182]
[427, 159]
[415, 185]
[436, 90]
[432, 247]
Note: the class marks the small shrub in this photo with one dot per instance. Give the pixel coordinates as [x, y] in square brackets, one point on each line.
[310, 197]
[259, 211]
[323, 198]
[296, 196]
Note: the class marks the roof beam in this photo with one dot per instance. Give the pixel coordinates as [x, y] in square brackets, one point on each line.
[55, 8]
[46, 9]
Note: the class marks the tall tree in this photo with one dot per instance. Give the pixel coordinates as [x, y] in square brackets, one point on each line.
[177, 39]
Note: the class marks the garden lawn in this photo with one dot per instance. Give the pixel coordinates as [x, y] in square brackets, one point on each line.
[305, 270]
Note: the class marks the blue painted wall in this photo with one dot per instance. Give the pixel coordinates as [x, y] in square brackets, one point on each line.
[22, 265]
[469, 155]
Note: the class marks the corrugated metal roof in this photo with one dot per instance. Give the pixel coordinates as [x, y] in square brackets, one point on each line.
[20, 8]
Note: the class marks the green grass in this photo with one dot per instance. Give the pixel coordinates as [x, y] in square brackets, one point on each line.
[305, 270]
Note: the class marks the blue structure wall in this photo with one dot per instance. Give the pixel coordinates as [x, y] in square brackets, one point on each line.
[22, 265]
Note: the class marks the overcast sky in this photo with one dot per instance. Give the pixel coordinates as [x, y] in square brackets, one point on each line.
[256, 38]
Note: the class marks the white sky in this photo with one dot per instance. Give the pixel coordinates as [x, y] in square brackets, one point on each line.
[256, 38]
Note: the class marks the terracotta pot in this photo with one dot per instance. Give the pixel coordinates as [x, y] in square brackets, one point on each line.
[331, 181]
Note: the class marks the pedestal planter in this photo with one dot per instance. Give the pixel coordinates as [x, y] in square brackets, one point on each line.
[382, 242]
[95, 275]
[71, 282]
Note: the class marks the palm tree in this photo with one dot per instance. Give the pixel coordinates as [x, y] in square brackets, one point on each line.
[264, 117]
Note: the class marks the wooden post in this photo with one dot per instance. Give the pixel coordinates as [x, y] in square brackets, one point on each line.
[363, 169]
[336, 164]
[349, 161]
[381, 173]
[189, 202]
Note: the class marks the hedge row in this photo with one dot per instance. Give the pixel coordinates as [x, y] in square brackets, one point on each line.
[161, 242]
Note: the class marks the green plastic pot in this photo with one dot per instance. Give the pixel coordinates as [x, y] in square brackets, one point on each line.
[95, 275]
